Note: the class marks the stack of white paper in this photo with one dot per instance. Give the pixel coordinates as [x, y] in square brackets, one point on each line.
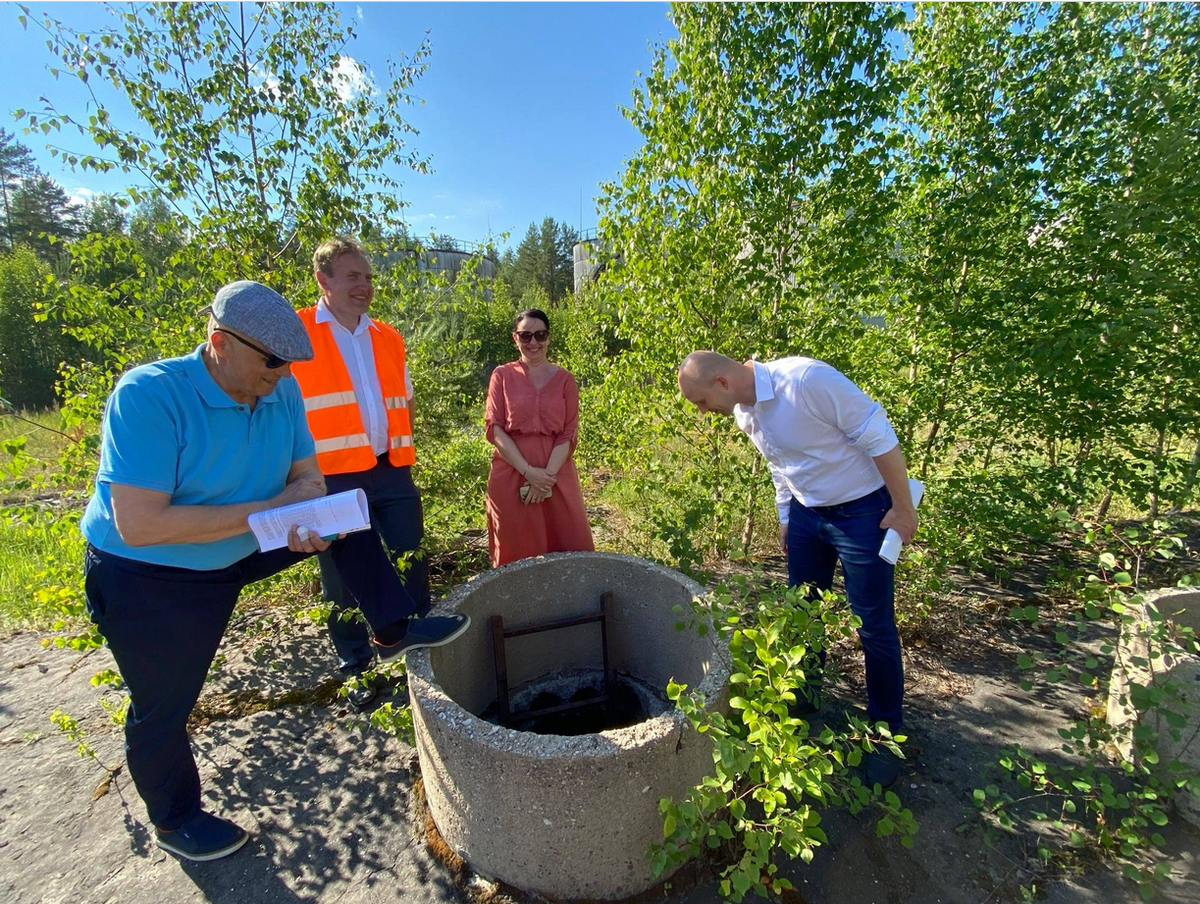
[341, 513]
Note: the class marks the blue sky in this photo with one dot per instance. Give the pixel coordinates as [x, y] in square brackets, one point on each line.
[521, 109]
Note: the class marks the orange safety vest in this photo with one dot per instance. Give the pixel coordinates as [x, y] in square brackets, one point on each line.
[331, 405]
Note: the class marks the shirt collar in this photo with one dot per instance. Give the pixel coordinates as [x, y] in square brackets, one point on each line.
[764, 390]
[324, 315]
[214, 396]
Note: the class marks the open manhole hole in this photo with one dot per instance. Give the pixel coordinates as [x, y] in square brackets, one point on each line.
[577, 702]
[543, 766]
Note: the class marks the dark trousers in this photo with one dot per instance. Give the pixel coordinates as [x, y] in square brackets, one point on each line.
[817, 539]
[163, 626]
[395, 506]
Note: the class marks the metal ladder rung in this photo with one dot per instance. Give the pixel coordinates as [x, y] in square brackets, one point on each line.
[500, 634]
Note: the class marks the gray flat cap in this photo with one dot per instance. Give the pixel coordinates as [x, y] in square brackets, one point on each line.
[262, 314]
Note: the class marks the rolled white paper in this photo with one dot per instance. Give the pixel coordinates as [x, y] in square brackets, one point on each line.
[890, 550]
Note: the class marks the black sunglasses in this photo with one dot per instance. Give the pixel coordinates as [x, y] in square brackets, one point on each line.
[525, 336]
[273, 362]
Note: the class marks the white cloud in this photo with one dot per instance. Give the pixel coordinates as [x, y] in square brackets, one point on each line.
[264, 77]
[80, 196]
[350, 79]
[358, 11]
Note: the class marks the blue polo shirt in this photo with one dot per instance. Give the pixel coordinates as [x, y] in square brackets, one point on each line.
[169, 427]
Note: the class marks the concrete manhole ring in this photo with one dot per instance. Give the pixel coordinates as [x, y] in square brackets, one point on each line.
[564, 816]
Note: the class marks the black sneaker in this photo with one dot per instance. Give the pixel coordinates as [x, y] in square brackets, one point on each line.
[808, 702]
[432, 631]
[203, 837]
[882, 768]
[361, 693]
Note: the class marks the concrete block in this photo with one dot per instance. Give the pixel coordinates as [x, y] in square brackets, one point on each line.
[566, 817]
[1135, 665]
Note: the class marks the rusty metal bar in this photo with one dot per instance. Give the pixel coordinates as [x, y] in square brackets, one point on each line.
[554, 625]
[500, 634]
[501, 669]
[606, 599]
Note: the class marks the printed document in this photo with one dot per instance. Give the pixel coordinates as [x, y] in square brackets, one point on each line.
[328, 516]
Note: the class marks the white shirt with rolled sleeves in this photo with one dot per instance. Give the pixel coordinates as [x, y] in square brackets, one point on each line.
[818, 432]
[358, 355]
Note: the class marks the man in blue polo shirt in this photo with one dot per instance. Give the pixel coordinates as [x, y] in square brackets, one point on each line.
[191, 448]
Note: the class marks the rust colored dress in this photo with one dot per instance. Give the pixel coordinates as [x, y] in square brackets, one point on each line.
[537, 420]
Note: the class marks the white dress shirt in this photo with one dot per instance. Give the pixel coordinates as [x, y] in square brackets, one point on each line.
[818, 431]
[358, 354]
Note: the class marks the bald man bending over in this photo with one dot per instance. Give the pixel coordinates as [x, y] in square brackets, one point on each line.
[840, 483]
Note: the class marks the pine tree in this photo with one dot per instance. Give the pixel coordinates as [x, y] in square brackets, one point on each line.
[40, 209]
[16, 163]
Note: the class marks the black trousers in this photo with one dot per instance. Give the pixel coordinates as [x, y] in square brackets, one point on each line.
[163, 626]
[395, 505]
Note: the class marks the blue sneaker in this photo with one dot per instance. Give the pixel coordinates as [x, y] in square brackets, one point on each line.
[431, 631]
[203, 837]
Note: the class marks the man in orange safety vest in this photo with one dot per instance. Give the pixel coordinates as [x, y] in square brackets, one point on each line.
[358, 399]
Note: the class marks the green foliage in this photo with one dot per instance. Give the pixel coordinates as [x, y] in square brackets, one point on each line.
[393, 720]
[257, 127]
[1041, 283]
[771, 778]
[966, 228]
[31, 348]
[41, 216]
[1089, 803]
[544, 261]
[39, 573]
[16, 163]
[69, 726]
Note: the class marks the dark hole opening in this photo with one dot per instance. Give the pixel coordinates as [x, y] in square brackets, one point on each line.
[629, 702]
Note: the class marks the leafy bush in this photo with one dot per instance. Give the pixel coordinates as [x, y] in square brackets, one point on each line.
[771, 778]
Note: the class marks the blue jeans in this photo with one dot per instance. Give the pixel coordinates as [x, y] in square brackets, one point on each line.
[817, 538]
[395, 506]
[163, 626]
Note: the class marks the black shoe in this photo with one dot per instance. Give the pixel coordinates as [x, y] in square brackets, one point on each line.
[808, 701]
[432, 631]
[203, 837]
[361, 693]
[882, 768]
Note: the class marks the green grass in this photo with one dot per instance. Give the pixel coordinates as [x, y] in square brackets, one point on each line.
[37, 555]
[42, 445]
[42, 546]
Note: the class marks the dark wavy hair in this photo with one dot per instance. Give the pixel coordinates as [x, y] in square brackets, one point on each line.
[532, 312]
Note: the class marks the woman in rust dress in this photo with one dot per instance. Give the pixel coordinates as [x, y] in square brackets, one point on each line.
[534, 504]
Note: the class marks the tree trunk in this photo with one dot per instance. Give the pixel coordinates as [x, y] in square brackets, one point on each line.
[1186, 492]
[912, 373]
[1159, 444]
[748, 527]
[987, 456]
[1102, 509]
[927, 451]
[7, 212]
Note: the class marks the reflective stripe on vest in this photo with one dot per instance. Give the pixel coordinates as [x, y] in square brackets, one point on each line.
[333, 409]
[330, 400]
[337, 443]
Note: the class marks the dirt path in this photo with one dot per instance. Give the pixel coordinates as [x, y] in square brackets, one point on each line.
[334, 818]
